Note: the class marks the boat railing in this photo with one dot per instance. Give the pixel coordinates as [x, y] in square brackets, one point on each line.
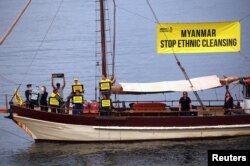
[172, 103]
[214, 106]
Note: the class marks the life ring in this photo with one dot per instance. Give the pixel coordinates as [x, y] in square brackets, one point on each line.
[247, 81]
[94, 108]
[3, 110]
[86, 107]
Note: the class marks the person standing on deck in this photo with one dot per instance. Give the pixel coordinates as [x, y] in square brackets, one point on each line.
[107, 94]
[27, 95]
[69, 97]
[55, 107]
[58, 86]
[34, 97]
[185, 104]
[228, 103]
[77, 104]
[43, 99]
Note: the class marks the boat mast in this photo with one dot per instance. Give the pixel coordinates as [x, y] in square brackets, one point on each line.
[103, 37]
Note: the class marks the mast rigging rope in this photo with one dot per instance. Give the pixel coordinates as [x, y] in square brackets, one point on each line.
[41, 44]
[178, 62]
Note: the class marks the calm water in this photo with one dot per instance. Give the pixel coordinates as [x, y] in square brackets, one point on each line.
[18, 149]
[59, 37]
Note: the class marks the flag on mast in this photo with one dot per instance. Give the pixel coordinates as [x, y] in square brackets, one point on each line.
[18, 98]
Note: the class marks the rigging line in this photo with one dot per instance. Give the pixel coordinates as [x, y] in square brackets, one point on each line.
[14, 23]
[114, 41]
[39, 47]
[136, 14]
[97, 58]
[9, 31]
[245, 17]
[109, 52]
[15, 135]
[245, 57]
[8, 80]
[233, 87]
[178, 62]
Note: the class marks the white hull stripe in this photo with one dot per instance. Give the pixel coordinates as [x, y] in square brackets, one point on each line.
[170, 128]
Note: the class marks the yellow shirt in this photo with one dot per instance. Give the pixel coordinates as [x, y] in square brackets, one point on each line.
[106, 80]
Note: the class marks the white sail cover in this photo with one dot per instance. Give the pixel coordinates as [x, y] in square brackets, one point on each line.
[199, 83]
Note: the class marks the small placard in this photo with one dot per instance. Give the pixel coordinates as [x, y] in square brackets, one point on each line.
[58, 75]
[78, 87]
[106, 103]
[34, 96]
[77, 99]
[105, 86]
[53, 101]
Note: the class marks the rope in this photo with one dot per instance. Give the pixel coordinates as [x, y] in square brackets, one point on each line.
[8, 80]
[245, 57]
[15, 135]
[178, 62]
[136, 14]
[9, 31]
[14, 23]
[114, 41]
[41, 44]
[241, 54]
[245, 17]
[39, 47]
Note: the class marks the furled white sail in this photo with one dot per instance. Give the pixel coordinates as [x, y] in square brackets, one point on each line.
[199, 83]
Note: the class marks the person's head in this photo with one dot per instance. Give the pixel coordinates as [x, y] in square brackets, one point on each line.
[104, 97]
[76, 81]
[185, 94]
[58, 85]
[29, 86]
[228, 94]
[44, 88]
[103, 77]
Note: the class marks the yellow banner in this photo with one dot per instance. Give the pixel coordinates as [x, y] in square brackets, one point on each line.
[18, 98]
[198, 37]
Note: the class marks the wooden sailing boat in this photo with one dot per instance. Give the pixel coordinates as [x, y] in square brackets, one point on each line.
[142, 121]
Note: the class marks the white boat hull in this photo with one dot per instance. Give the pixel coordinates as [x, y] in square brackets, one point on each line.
[50, 131]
